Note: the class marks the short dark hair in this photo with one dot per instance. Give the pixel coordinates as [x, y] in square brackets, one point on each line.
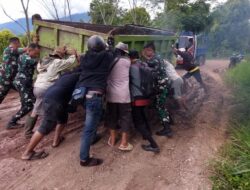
[134, 54]
[150, 45]
[36, 17]
[34, 46]
[14, 40]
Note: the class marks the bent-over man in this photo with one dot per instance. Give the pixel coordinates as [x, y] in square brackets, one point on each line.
[55, 106]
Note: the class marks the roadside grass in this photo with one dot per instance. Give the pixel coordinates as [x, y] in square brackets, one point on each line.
[231, 170]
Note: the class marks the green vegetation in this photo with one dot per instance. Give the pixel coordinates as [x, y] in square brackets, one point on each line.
[232, 170]
[231, 28]
[110, 12]
[184, 15]
[5, 35]
[138, 15]
[105, 12]
[227, 24]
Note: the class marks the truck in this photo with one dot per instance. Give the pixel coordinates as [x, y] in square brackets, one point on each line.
[53, 33]
[197, 42]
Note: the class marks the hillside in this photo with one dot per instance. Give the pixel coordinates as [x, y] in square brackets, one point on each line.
[12, 26]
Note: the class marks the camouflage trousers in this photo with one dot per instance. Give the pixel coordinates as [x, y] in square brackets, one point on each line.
[27, 99]
[5, 86]
[160, 106]
[7, 74]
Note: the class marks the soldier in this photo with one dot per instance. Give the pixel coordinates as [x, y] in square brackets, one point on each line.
[8, 68]
[23, 83]
[161, 86]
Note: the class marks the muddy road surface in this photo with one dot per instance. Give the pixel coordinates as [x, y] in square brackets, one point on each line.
[181, 165]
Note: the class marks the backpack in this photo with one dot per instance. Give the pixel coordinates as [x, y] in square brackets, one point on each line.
[147, 81]
[79, 94]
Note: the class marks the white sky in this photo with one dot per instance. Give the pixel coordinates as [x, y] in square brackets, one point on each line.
[14, 8]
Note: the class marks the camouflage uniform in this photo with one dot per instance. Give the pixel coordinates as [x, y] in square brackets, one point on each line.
[23, 83]
[161, 88]
[8, 70]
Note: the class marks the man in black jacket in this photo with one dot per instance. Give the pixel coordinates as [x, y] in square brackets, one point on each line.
[95, 67]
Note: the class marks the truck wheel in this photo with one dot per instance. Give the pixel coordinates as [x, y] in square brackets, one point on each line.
[202, 60]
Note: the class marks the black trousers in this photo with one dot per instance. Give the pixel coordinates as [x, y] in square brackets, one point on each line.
[141, 124]
[196, 75]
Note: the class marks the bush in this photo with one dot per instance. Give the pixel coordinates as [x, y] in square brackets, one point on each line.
[239, 80]
[24, 39]
[232, 170]
[5, 35]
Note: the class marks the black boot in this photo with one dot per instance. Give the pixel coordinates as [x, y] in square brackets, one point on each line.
[13, 124]
[150, 148]
[166, 131]
[29, 126]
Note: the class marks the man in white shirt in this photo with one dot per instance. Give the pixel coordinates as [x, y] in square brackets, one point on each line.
[49, 70]
[176, 84]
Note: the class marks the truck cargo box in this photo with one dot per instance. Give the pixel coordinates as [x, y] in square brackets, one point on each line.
[75, 34]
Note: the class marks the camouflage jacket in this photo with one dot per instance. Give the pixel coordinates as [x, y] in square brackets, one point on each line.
[9, 63]
[26, 68]
[159, 67]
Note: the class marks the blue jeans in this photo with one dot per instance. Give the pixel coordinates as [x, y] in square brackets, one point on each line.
[93, 116]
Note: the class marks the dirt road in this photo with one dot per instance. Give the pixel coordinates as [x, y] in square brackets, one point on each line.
[181, 165]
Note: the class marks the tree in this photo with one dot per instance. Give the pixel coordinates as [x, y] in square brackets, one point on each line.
[137, 15]
[105, 12]
[5, 35]
[169, 18]
[69, 9]
[56, 9]
[168, 5]
[25, 7]
[184, 15]
[195, 16]
[231, 27]
[25, 10]
[173, 5]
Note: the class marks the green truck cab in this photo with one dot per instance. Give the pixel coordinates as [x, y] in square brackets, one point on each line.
[53, 33]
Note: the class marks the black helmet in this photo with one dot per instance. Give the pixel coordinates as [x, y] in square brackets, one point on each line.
[96, 43]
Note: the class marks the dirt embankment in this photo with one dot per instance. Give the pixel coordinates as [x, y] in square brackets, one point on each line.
[181, 165]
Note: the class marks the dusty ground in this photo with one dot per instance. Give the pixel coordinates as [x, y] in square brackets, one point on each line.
[181, 165]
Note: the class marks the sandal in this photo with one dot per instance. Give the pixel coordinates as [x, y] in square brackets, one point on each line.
[61, 139]
[36, 155]
[109, 142]
[129, 147]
